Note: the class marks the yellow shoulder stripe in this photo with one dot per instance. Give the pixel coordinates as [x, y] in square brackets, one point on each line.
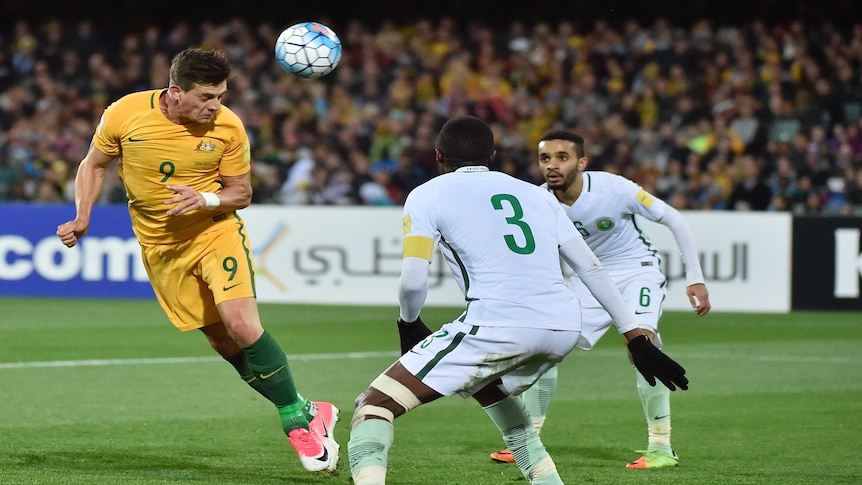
[644, 198]
[417, 247]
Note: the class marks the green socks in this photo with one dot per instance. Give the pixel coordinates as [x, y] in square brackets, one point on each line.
[268, 365]
[296, 415]
[239, 361]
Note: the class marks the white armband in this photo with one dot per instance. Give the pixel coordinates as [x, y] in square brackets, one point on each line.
[211, 200]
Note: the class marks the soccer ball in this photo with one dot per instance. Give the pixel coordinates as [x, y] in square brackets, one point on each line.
[308, 49]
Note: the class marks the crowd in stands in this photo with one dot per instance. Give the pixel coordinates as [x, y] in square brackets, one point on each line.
[752, 116]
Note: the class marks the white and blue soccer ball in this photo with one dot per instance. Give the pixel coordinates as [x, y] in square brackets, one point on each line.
[308, 49]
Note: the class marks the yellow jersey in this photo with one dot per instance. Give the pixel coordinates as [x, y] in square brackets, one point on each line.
[154, 152]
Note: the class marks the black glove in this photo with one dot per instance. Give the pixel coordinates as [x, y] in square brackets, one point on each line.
[411, 333]
[654, 364]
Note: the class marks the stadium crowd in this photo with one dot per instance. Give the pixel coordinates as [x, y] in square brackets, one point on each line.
[707, 116]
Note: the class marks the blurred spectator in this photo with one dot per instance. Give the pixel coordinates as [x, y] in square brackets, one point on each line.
[853, 191]
[296, 187]
[379, 190]
[408, 174]
[747, 125]
[749, 192]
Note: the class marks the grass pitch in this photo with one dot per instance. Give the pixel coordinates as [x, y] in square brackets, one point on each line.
[108, 392]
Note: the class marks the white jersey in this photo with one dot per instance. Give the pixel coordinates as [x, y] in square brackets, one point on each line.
[604, 214]
[500, 237]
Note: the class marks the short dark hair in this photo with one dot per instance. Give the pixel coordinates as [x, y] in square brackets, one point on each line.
[466, 140]
[576, 139]
[195, 66]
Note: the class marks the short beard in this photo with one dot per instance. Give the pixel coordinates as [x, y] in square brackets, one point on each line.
[566, 183]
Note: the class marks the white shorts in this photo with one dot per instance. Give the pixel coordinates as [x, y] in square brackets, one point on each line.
[643, 291]
[461, 358]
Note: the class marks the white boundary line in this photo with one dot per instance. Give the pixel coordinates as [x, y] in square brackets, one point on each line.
[181, 360]
[371, 355]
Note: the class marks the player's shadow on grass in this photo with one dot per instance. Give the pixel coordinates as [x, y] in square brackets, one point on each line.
[104, 466]
[588, 456]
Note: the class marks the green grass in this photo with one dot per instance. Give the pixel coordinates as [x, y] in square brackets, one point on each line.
[774, 399]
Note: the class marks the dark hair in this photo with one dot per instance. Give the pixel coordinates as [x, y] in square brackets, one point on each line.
[576, 139]
[195, 66]
[466, 140]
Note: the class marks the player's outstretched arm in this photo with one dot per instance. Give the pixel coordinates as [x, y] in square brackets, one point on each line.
[88, 186]
[696, 291]
[654, 364]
